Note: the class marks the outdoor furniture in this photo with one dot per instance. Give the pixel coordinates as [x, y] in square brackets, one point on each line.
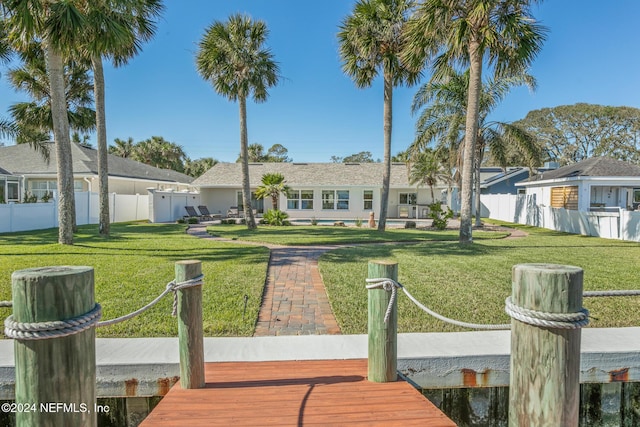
[204, 211]
[191, 212]
[233, 212]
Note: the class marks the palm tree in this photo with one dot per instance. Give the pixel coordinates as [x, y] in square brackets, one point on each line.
[273, 185]
[503, 33]
[427, 169]
[444, 108]
[58, 25]
[231, 55]
[371, 41]
[122, 148]
[116, 30]
[34, 118]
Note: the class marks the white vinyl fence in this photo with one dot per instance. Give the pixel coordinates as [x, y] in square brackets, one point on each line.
[38, 216]
[523, 209]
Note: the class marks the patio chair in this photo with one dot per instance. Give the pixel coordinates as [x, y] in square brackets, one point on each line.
[233, 212]
[205, 214]
[191, 212]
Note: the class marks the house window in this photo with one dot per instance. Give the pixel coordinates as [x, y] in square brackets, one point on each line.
[564, 197]
[408, 198]
[13, 194]
[300, 199]
[636, 195]
[40, 188]
[367, 197]
[335, 199]
[522, 191]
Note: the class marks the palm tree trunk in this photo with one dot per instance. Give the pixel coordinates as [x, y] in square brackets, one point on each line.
[471, 133]
[66, 196]
[244, 152]
[101, 128]
[386, 175]
[478, 161]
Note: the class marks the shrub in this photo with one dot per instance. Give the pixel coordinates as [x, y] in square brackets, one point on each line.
[314, 221]
[193, 220]
[181, 221]
[410, 224]
[358, 222]
[439, 216]
[29, 198]
[276, 217]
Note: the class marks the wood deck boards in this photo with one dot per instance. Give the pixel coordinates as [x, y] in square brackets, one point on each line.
[295, 393]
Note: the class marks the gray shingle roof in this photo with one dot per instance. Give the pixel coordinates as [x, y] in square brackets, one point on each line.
[595, 166]
[21, 159]
[306, 174]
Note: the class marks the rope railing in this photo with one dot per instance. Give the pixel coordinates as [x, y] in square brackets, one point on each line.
[62, 328]
[532, 317]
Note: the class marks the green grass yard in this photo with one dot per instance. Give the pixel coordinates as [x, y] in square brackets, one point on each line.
[468, 283]
[134, 265]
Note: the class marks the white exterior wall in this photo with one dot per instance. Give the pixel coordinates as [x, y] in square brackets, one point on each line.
[169, 206]
[38, 216]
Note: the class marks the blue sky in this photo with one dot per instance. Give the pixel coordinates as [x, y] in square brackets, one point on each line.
[591, 55]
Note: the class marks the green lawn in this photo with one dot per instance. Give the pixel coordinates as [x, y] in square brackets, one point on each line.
[330, 235]
[134, 265]
[470, 283]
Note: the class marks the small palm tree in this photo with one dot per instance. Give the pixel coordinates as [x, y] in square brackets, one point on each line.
[232, 56]
[502, 33]
[427, 169]
[371, 41]
[273, 184]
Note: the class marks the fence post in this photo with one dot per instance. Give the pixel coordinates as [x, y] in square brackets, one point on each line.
[190, 335]
[545, 361]
[55, 371]
[383, 341]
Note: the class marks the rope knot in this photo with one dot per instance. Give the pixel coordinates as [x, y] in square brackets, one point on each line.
[545, 319]
[388, 285]
[174, 287]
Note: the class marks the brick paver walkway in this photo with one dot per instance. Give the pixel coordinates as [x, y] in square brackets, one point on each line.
[294, 301]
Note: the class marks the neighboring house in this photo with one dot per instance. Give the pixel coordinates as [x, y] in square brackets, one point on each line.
[38, 177]
[320, 190]
[505, 181]
[596, 184]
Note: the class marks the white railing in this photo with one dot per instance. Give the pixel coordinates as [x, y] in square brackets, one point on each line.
[522, 209]
[38, 216]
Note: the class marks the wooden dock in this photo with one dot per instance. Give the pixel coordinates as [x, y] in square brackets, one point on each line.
[295, 393]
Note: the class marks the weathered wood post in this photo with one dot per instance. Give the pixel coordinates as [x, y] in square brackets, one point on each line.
[190, 334]
[383, 337]
[55, 377]
[545, 361]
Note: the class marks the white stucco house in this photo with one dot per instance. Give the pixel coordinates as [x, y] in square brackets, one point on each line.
[25, 170]
[320, 190]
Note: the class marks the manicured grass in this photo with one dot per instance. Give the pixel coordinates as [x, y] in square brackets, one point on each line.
[330, 235]
[134, 265]
[470, 283]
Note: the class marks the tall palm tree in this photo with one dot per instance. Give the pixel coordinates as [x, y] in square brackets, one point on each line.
[502, 33]
[371, 41]
[444, 108]
[273, 184]
[58, 25]
[232, 56]
[427, 169]
[116, 29]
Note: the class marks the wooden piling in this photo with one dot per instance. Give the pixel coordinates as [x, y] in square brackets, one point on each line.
[190, 333]
[55, 377]
[545, 362]
[383, 337]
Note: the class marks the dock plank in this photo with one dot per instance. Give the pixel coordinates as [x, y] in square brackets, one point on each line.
[288, 393]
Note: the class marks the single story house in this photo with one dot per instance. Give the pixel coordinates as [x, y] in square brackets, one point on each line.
[38, 177]
[9, 187]
[505, 181]
[595, 184]
[320, 190]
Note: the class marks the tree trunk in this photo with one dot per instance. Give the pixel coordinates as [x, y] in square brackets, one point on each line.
[101, 128]
[478, 162]
[386, 176]
[471, 133]
[244, 153]
[66, 196]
